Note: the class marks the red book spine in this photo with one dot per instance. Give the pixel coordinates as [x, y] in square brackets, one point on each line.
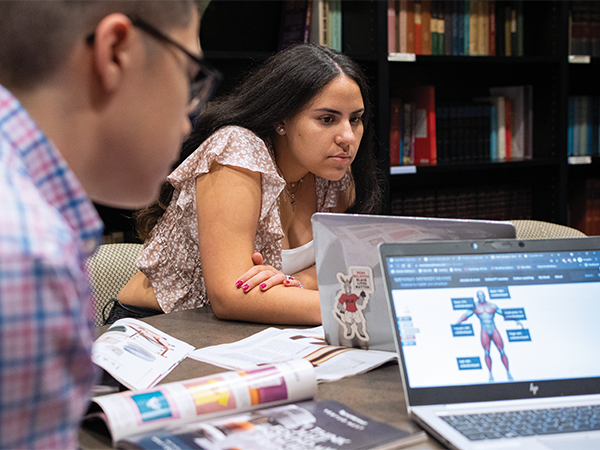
[418, 29]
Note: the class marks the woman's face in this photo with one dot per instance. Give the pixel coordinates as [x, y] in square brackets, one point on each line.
[324, 136]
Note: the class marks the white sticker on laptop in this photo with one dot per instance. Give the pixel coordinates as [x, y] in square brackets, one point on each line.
[356, 288]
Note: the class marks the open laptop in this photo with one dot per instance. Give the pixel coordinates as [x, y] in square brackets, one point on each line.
[495, 331]
[353, 302]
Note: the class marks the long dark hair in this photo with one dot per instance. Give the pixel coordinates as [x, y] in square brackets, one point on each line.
[275, 91]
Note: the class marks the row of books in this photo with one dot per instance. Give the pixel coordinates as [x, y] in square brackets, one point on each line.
[317, 21]
[585, 207]
[584, 28]
[584, 124]
[495, 128]
[457, 27]
[490, 203]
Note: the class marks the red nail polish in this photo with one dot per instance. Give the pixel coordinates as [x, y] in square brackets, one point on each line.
[287, 281]
[245, 287]
[238, 283]
[264, 285]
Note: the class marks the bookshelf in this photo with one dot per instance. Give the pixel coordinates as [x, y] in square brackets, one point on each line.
[236, 35]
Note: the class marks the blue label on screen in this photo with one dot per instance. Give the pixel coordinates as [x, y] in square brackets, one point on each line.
[499, 292]
[462, 330]
[514, 314]
[518, 335]
[469, 363]
[463, 303]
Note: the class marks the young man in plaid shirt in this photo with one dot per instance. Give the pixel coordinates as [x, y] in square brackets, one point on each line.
[94, 104]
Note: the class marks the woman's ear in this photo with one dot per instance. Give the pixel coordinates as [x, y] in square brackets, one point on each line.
[113, 49]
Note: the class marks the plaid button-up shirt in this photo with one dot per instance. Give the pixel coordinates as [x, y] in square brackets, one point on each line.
[48, 227]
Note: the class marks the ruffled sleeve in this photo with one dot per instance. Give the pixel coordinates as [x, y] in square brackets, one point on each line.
[171, 257]
[230, 146]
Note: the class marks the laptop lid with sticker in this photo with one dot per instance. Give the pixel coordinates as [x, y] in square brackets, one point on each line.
[354, 308]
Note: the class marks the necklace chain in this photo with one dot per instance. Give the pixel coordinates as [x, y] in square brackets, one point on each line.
[294, 187]
[292, 191]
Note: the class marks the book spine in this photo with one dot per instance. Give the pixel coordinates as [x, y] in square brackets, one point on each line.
[508, 125]
[407, 123]
[578, 124]
[435, 28]
[528, 108]
[484, 28]
[594, 124]
[402, 26]
[426, 43]
[493, 132]
[395, 130]
[447, 8]
[473, 27]
[456, 27]
[590, 132]
[571, 127]
[500, 29]
[519, 27]
[467, 30]
[335, 24]
[410, 26]
[595, 29]
[507, 31]
[513, 32]
[492, 27]
[501, 130]
[392, 23]
[418, 29]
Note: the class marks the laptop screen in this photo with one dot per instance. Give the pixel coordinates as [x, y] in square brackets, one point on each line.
[478, 314]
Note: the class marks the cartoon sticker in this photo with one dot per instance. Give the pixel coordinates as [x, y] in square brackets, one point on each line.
[353, 297]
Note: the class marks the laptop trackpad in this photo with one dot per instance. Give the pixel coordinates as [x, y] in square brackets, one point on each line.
[573, 442]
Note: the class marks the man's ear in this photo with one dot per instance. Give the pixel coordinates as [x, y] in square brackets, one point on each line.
[112, 49]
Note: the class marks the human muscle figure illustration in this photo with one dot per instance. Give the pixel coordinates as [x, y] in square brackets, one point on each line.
[485, 312]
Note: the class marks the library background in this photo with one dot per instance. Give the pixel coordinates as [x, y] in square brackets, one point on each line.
[483, 109]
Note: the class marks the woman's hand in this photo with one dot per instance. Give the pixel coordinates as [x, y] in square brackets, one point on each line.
[264, 276]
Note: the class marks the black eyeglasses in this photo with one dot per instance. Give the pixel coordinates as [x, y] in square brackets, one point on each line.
[206, 81]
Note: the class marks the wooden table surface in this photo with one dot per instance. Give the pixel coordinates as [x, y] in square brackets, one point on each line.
[377, 394]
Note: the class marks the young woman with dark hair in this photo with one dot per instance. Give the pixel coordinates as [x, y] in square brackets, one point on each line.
[293, 139]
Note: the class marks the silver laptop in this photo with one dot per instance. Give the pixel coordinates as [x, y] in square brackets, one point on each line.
[499, 340]
[353, 303]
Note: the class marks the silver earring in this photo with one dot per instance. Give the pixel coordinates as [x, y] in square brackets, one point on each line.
[280, 129]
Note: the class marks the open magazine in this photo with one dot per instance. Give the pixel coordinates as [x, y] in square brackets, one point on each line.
[137, 354]
[254, 409]
[273, 345]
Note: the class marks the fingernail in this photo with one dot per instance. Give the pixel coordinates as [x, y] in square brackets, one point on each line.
[245, 287]
[291, 278]
[257, 251]
[238, 283]
[287, 281]
[264, 285]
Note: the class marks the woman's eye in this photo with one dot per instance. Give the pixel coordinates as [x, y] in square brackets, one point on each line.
[327, 119]
[356, 120]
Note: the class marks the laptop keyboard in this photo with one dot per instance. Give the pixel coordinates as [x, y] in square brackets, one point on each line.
[513, 424]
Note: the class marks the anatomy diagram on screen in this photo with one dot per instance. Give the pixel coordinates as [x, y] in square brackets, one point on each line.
[351, 300]
[485, 312]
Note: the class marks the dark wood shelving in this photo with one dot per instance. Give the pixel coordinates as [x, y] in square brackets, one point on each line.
[235, 35]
